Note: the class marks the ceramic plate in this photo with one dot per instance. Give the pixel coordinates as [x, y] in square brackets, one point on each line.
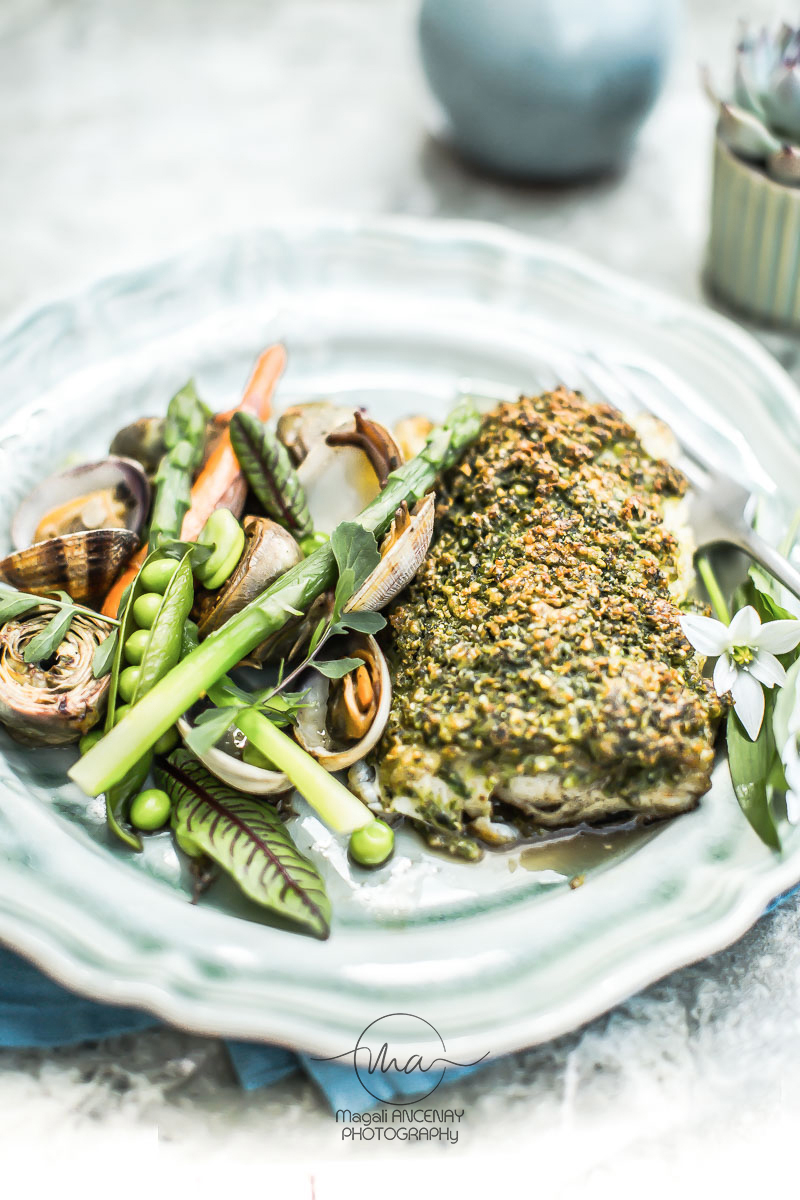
[497, 955]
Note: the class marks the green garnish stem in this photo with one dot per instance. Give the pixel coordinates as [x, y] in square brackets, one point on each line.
[338, 808]
[107, 762]
[718, 602]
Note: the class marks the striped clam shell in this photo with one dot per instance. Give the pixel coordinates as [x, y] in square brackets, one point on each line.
[401, 558]
[84, 565]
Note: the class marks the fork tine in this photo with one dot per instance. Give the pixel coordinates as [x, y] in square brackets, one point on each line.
[643, 391]
[699, 472]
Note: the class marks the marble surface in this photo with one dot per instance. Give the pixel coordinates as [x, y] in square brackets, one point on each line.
[130, 127]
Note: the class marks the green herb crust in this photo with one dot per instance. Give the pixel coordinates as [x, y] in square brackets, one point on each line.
[537, 657]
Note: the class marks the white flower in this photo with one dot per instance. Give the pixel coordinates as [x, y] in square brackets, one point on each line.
[745, 651]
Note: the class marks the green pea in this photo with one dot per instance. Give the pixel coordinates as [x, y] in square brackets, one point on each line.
[372, 844]
[136, 645]
[128, 681]
[226, 537]
[313, 542]
[145, 609]
[89, 739]
[254, 758]
[121, 712]
[150, 810]
[168, 741]
[156, 575]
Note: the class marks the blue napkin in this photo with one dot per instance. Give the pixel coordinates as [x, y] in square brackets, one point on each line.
[35, 1011]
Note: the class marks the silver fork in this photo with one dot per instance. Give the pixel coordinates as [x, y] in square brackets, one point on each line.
[720, 509]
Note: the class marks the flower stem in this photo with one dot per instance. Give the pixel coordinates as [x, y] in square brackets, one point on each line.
[718, 602]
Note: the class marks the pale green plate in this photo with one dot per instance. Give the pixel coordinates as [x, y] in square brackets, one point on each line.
[496, 955]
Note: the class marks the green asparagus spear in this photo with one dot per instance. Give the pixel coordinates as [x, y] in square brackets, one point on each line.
[269, 471]
[151, 716]
[184, 436]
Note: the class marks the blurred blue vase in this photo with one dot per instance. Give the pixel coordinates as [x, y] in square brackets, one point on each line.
[546, 89]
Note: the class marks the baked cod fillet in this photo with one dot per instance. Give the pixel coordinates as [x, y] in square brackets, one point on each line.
[537, 661]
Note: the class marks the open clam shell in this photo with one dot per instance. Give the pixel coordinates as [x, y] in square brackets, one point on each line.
[344, 718]
[84, 565]
[111, 494]
[402, 552]
[255, 781]
[270, 550]
[301, 425]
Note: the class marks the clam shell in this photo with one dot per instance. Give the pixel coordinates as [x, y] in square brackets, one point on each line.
[400, 563]
[85, 565]
[269, 552]
[255, 781]
[310, 729]
[57, 490]
[338, 481]
[301, 425]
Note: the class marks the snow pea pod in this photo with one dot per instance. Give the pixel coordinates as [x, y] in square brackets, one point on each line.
[163, 649]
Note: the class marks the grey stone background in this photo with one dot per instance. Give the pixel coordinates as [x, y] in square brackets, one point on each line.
[129, 128]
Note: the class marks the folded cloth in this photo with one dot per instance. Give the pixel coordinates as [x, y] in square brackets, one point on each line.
[36, 1011]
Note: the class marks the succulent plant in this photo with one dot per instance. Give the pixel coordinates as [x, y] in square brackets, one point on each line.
[761, 122]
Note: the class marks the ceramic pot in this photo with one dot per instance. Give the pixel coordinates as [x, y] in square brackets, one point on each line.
[754, 248]
[545, 89]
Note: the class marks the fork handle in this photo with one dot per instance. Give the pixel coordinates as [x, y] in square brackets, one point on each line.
[769, 558]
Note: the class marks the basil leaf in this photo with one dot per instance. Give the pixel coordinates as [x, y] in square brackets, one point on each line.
[336, 668]
[209, 728]
[363, 621]
[246, 838]
[103, 657]
[750, 764]
[47, 640]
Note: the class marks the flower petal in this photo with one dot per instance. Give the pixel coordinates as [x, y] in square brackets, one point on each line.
[744, 628]
[725, 673]
[793, 807]
[705, 634]
[767, 669]
[748, 698]
[778, 636]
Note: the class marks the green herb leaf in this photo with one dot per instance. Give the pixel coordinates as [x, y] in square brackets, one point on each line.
[103, 657]
[363, 621]
[47, 640]
[345, 587]
[209, 728]
[16, 604]
[269, 471]
[355, 549]
[336, 668]
[750, 765]
[316, 637]
[246, 838]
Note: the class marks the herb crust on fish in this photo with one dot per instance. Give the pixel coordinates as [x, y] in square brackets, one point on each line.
[537, 659]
